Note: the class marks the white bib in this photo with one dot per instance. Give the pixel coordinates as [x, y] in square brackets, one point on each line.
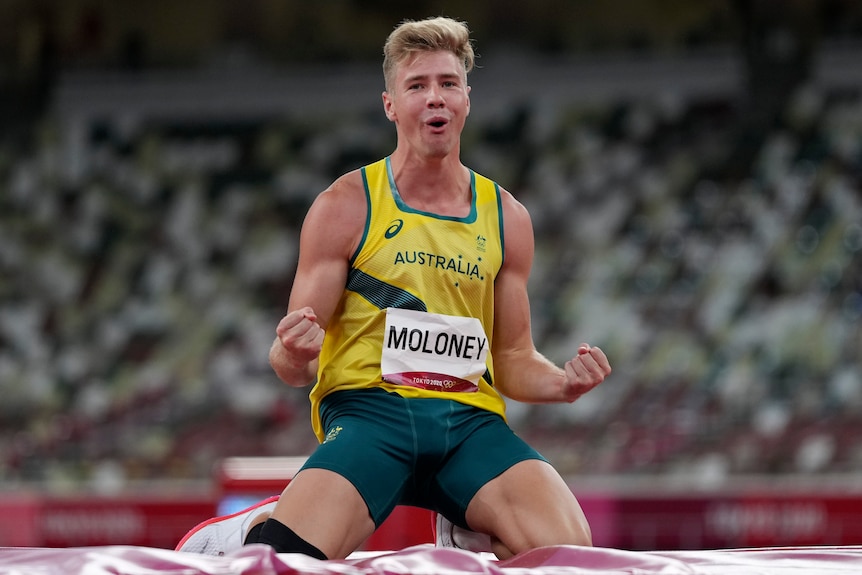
[433, 351]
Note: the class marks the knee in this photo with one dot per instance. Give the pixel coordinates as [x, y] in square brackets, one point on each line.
[580, 533]
[569, 529]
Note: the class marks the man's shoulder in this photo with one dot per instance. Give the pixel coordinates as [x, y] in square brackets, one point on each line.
[350, 181]
[478, 176]
[355, 179]
[343, 201]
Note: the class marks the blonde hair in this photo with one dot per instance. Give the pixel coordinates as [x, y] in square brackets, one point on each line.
[429, 35]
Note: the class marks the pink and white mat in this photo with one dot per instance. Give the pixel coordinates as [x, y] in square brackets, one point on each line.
[428, 560]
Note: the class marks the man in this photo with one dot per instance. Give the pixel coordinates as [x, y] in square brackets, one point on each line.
[410, 310]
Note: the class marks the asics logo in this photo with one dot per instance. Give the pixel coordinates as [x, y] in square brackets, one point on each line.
[393, 229]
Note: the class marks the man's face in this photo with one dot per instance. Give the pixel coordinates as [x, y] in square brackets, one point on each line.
[429, 101]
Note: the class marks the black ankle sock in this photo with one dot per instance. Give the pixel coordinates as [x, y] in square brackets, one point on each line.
[253, 535]
[282, 538]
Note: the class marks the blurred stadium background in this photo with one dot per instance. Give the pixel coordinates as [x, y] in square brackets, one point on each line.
[693, 170]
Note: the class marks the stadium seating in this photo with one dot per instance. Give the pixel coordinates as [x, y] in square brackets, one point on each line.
[146, 260]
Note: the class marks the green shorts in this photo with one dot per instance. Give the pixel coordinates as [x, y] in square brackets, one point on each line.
[429, 453]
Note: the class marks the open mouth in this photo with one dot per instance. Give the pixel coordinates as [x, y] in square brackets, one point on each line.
[437, 122]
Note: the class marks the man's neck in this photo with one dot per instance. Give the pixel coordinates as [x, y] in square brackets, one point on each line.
[441, 182]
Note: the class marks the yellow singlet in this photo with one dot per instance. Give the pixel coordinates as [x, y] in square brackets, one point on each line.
[413, 260]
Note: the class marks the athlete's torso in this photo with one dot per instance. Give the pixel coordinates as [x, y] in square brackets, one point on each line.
[431, 272]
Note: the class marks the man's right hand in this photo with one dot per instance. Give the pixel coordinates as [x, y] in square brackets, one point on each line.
[300, 336]
[297, 344]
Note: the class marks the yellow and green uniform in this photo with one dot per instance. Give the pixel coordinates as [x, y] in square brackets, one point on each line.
[403, 437]
[412, 260]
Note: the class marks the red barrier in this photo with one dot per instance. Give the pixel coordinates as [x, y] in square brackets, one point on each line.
[749, 515]
[48, 521]
[724, 520]
[19, 523]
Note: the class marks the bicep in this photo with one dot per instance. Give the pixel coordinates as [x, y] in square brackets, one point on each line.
[329, 236]
[512, 326]
[521, 372]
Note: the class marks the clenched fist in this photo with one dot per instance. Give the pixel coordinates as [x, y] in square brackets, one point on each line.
[586, 370]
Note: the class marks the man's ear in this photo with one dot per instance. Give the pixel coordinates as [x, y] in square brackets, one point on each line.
[387, 106]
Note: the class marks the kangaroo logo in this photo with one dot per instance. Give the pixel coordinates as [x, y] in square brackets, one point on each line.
[332, 433]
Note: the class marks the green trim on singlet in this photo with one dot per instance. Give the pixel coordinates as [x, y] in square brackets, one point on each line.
[402, 205]
[367, 217]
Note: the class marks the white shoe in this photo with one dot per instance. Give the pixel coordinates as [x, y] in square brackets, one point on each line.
[450, 535]
[221, 535]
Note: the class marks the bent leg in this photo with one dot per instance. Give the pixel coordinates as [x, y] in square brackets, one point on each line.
[527, 506]
[325, 510]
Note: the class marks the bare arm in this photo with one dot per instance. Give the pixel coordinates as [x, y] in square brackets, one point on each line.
[521, 372]
[330, 234]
